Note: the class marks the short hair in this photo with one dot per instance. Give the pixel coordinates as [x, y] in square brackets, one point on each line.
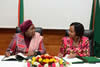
[79, 28]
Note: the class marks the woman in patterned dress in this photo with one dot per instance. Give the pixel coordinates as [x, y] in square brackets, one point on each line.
[75, 44]
[27, 41]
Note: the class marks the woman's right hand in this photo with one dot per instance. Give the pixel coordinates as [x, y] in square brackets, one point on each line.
[60, 55]
[7, 54]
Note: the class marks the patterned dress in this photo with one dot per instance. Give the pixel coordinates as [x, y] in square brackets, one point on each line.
[21, 44]
[81, 50]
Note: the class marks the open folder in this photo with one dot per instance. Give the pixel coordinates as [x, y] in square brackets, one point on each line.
[91, 59]
[79, 59]
[18, 57]
[72, 60]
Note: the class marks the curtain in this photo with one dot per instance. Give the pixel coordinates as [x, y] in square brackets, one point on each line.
[95, 25]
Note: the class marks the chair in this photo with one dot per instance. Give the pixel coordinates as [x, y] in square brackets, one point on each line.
[90, 35]
[37, 29]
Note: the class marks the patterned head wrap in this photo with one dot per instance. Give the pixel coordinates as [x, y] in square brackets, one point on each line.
[25, 25]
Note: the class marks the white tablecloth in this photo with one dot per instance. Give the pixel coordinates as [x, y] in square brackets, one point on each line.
[23, 64]
[85, 65]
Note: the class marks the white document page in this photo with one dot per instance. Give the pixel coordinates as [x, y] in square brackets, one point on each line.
[72, 59]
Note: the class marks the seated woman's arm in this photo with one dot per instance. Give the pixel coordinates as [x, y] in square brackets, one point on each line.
[42, 49]
[12, 46]
[62, 51]
[85, 49]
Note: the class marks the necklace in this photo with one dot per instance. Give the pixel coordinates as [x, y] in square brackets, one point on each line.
[75, 43]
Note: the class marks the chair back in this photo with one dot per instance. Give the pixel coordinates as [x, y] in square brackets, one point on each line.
[37, 29]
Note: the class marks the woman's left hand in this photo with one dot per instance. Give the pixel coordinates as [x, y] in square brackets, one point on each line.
[72, 55]
[30, 53]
